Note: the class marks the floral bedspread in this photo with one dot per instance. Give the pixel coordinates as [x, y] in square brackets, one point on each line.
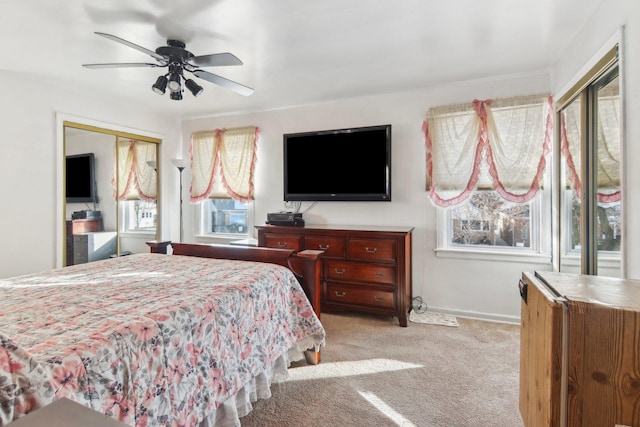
[149, 339]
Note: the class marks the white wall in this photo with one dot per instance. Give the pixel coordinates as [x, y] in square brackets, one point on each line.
[29, 217]
[472, 288]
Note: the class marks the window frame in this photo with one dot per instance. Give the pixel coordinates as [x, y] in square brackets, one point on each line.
[588, 259]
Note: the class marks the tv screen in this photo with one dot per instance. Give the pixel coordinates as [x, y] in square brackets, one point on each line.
[80, 178]
[342, 165]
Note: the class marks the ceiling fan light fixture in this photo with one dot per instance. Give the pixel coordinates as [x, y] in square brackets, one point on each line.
[174, 83]
[178, 59]
[193, 87]
[160, 86]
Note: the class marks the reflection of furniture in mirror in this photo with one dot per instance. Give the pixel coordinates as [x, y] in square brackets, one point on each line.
[110, 192]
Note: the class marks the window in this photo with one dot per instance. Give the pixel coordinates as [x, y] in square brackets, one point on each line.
[223, 162]
[486, 172]
[487, 222]
[135, 187]
[138, 216]
[225, 217]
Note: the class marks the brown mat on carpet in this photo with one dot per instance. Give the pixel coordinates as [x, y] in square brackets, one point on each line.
[376, 373]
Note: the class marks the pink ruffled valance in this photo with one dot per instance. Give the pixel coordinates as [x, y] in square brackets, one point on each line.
[500, 144]
[223, 163]
[135, 178]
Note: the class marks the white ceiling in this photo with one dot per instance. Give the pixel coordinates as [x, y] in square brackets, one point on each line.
[294, 52]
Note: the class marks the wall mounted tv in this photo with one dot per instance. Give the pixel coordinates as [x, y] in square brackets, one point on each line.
[80, 178]
[338, 165]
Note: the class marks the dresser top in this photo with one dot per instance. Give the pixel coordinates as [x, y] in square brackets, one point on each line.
[376, 228]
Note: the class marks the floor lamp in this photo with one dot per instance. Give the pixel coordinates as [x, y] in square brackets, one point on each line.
[180, 164]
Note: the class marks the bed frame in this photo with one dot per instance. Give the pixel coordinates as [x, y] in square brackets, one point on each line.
[305, 265]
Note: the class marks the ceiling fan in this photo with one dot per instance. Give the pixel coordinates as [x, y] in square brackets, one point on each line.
[177, 59]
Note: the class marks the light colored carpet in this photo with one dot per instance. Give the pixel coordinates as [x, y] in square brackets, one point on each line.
[376, 373]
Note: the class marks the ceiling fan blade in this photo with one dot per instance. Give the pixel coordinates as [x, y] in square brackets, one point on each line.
[133, 45]
[121, 65]
[215, 60]
[229, 84]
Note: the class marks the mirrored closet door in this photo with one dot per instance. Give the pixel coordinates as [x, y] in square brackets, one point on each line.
[110, 193]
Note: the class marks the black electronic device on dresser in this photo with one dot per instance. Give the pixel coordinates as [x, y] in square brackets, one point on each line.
[292, 219]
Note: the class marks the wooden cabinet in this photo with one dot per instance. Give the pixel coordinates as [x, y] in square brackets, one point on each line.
[579, 350]
[365, 269]
[89, 225]
[79, 226]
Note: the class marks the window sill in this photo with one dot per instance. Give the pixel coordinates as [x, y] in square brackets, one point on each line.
[140, 234]
[226, 238]
[509, 256]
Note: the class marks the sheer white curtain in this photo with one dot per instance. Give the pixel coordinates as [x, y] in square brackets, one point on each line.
[608, 147]
[136, 179]
[494, 144]
[223, 163]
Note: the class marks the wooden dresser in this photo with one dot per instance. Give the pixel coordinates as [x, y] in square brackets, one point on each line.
[365, 269]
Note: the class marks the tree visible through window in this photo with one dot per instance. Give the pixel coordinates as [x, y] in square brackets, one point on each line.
[486, 219]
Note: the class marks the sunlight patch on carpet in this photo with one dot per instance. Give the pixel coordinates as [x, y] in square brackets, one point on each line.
[387, 410]
[347, 369]
[432, 318]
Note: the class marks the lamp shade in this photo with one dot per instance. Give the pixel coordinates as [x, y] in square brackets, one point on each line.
[180, 163]
[160, 86]
[193, 87]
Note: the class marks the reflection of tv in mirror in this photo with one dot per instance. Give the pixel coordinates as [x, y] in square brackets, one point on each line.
[80, 178]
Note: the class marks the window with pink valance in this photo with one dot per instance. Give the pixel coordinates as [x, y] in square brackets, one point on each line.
[136, 180]
[498, 144]
[223, 163]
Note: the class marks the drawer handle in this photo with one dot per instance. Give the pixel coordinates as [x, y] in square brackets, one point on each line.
[371, 250]
[323, 247]
[340, 294]
[379, 299]
[341, 271]
[282, 244]
[379, 275]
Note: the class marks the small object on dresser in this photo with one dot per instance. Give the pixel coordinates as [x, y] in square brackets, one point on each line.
[291, 219]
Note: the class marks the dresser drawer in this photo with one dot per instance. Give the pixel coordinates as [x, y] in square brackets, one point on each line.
[283, 241]
[332, 246]
[371, 250]
[360, 272]
[359, 295]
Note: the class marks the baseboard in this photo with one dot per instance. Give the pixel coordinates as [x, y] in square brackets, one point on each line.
[489, 317]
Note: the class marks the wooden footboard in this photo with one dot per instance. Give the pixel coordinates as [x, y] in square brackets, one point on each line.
[305, 265]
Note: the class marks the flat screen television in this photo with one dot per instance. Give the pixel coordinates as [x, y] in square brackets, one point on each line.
[338, 165]
[80, 178]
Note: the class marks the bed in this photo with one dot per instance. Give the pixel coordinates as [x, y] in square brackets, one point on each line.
[191, 338]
